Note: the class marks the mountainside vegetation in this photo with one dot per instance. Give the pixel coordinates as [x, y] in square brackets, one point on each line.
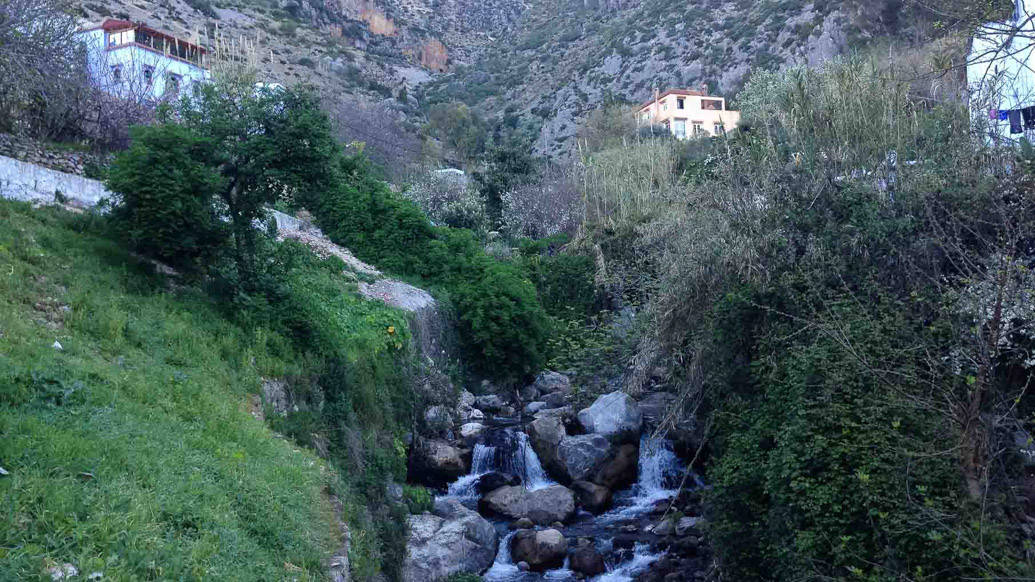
[853, 336]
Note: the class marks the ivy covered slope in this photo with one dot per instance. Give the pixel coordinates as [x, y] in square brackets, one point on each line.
[130, 447]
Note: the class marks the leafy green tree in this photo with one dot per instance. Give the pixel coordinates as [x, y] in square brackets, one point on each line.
[459, 127]
[164, 192]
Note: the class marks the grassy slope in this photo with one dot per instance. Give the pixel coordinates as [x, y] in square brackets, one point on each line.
[147, 396]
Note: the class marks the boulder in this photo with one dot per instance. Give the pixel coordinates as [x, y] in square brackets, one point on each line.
[545, 434]
[656, 406]
[435, 463]
[541, 550]
[438, 419]
[542, 506]
[534, 407]
[489, 403]
[586, 560]
[528, 393]
[663, 528]
[620, 470]
[582, 455]
[523, 523]
[494, 480]
[465, 410]
[471, 431]
[555, 400]
[592, 497]
[548, 381]
[452, 539]
[612, 415]
[685, 525]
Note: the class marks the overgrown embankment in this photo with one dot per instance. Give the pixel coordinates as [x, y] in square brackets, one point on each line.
[125, 425]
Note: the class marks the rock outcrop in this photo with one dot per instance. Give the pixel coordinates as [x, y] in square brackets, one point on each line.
[612, 415]
[541, 550]
[620, 470]
[542, 506]
[435, 463]
[580, 456]
[452, 539]
[592, 497]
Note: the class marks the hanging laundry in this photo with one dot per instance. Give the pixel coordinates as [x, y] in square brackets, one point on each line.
[1028, 113]
[1004, 114]
[993, 114]
[1015, 121]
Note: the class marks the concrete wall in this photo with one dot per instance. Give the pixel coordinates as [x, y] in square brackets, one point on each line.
[24, 181]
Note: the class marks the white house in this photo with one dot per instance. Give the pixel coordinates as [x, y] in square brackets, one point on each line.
[1001, 69]
[133, 61]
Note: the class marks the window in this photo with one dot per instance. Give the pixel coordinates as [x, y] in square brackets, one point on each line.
[149, 73]
[719, 129]
[680, 103]
[645, 116]
[172, 84]
[664, 105]
[698, 128]
[116, 73]
[711, 104]
[679, 128]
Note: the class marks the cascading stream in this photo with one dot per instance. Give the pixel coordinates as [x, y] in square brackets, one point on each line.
[508, 451]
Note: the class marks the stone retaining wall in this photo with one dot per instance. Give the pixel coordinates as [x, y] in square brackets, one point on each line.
[25, 181]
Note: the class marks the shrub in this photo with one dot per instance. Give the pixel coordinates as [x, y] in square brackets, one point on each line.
[164, 197]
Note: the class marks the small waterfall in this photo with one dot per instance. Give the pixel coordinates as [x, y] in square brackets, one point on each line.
[658, 473]
[483, 460]
[503, 569]
[627, 571]
[525, 463]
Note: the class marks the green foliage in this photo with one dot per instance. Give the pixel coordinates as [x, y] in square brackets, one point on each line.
[502, 325]
[564, 282]
[459, 127]
[130, 451]
[164, 197]
[418, 499]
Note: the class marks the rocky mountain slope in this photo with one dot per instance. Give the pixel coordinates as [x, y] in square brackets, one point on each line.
[565, 58]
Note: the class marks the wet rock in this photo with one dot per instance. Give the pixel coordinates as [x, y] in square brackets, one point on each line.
[542, 550]
[494, 480]
[471, 431]
[655, 407]
[438, 419]
[507, 411]
[685, 525]
[466, 412]
[489, 403]
[582, 455]
[542, 506]
[613, 415]
[523, 523]
[586, 560]
[548, 381]
[555, 400]
[545, 434]
[620, 470]
[534, 407]
[592, 497]
[435, 463]
[662, 528]
[453, 539]
[523, 566]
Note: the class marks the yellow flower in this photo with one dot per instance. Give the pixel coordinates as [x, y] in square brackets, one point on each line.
[391, 330]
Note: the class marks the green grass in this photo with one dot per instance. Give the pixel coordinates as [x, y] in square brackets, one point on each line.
[130, 450]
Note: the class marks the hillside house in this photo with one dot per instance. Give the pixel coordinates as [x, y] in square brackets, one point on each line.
[134, 61]
[1001, 73]
[688, 113]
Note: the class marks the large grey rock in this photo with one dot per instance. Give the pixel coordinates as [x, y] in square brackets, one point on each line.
[438, 419]
[489, 403]
[452, 539]
[275, 394]
[586, 560]
[534, 407]
[592, 497]
[542, 506]
[541, 550]
[620, 470]
[471, 431]
[545, 434]
[612, 414]
[582, 455]
[555, 400]
[435, 463]
[465, 410]
[528, 393]
[548, 381]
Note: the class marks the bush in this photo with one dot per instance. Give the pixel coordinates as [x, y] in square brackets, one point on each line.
[164, 197]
